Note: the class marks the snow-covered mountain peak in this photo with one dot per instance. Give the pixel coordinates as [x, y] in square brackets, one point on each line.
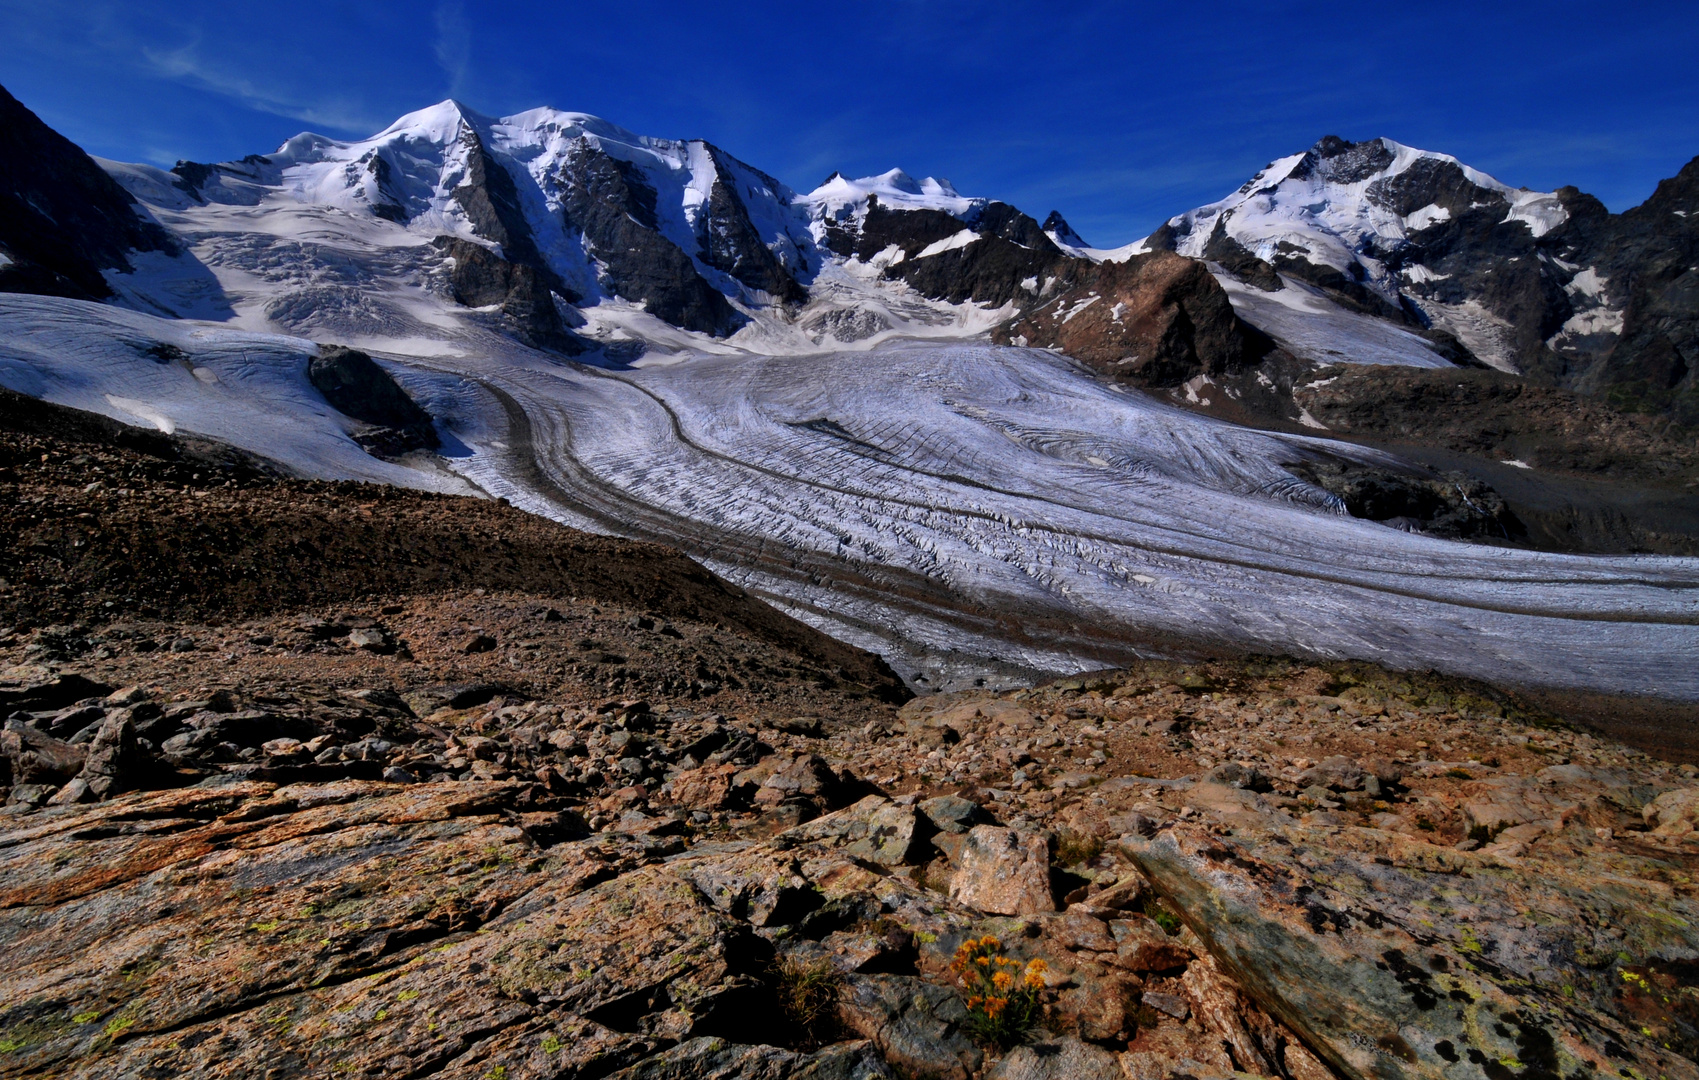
[895, 190]
[441, 124]
[1385, 229]
[1338, 201]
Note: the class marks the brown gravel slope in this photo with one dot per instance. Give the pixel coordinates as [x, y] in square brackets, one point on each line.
[173, 531]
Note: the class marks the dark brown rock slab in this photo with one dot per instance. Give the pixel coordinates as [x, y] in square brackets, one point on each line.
[1393, 958]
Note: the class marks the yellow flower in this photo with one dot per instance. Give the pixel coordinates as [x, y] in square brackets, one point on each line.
[989, 942]
[1002, 980]
[983, 961]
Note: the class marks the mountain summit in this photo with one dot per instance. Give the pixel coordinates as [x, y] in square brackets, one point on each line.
[1545, 284]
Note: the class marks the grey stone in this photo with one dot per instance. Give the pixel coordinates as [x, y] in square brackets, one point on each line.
[30, 794]
[372, 640]
[954, 814]
[1066, 1058]
[77, 791]
[1172, 1004]
[916, 1025]
[1338, 773]
[874, 829]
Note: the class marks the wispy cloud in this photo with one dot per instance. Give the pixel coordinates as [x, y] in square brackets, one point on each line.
[186, 65]
[453, 44]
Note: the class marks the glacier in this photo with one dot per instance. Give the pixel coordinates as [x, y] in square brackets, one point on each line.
[974, 513]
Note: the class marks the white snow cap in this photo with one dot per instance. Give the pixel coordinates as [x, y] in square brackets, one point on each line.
[1332, 220]
[895, 189]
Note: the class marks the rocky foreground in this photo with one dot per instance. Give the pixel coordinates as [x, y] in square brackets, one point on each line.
[481, 797]
[1276, 870]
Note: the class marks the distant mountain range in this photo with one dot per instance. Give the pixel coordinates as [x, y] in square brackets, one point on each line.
[547, 215]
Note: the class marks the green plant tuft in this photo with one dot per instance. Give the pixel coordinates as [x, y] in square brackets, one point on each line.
[808, 994]
[1074, 848]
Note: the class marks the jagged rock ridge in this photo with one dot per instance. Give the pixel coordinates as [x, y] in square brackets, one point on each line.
[1550, 285]
[63, 221]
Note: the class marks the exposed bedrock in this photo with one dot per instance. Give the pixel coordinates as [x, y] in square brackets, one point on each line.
[353, 383]
[1452, 504]
[1154, 320]
[62, 219]
[478, 277]
[491, 203]
[1343, 935]
[994, 256]
[729, 241]
[1654, 365]
[614, 206]
[1557, 288]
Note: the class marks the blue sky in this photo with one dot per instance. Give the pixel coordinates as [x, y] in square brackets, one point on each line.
[1119, 115]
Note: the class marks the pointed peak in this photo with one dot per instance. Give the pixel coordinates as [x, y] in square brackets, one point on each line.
[1057, 228]
[897, 180]
[439, 123]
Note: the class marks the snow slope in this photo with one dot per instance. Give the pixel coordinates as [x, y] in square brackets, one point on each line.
[250, 390]
[841, 200]
[332, 239]
[1391, 231]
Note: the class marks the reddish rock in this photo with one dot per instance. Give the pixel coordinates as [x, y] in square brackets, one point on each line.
[1005, 872]
[707, 788]
[1155, 320]
[1141, 945]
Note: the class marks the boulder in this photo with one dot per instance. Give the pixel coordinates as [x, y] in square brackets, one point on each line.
[954, 814]
[874, 829]
[77, 791]
[1674, 813]
[1141, 945]
[1335, 773]
[369, 638]
[1082, 928]
[115, 760]
[712, 787]
[74, 718]
[1375, 962]
[1004, 872]
[1236, 775]
[806, 775]
[37, 757]
[40, 695]
[916, 1025]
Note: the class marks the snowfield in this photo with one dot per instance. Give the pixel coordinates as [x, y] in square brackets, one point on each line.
[970, 511]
